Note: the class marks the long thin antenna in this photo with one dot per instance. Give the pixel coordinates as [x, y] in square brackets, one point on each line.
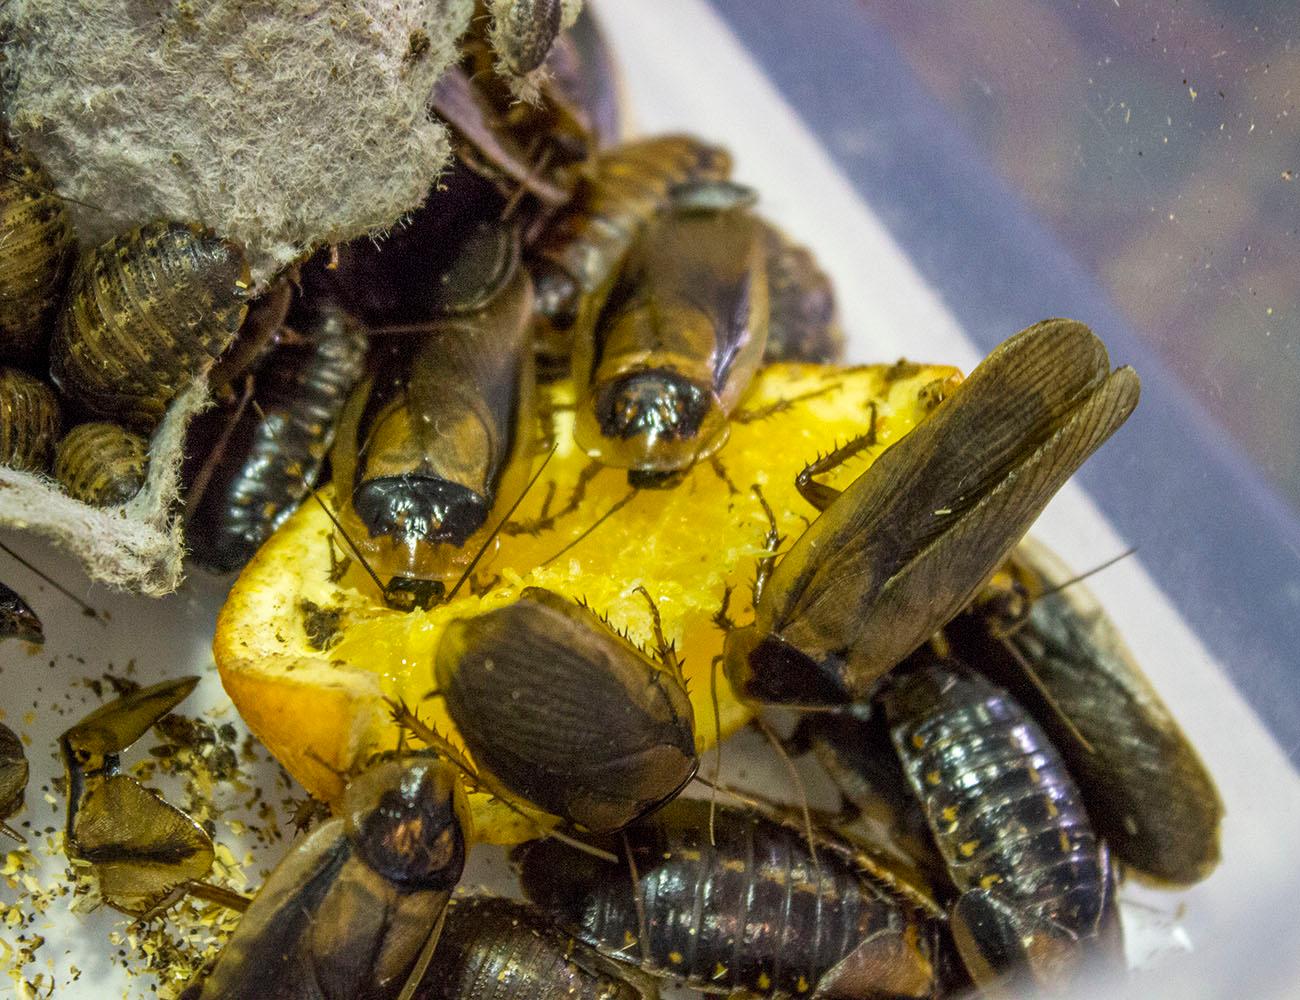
[618, 505]
[497, 530]
[365, 563]
[86, 609]
[49, 191]
[1087, 573]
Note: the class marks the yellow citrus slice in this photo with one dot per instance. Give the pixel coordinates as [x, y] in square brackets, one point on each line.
[309, 654]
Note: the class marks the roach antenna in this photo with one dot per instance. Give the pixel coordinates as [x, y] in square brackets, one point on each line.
[618, 505]
[1087, 573]
[50, 191]
[501, 523]
[365, 563]
[86, 609]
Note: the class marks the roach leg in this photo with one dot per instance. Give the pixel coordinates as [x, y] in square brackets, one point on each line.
[818, 494]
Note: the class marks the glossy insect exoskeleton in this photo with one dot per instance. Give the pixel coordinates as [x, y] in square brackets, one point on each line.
[680, 337]
[447, 425]
[349, 910]
[272, 453]
[1036, 885]
[17, 619]
[576, 258]
[910, 542]
[101, 464]
[1147, 791]
[145, 314]
[803, 324]
[29, 421]
[261, 331]
[36, 246]
[144, 851]
[504, 949]
[746, 910]
[13, 778]
[523, 32]
[597, 731]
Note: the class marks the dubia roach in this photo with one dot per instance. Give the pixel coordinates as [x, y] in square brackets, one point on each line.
[504, 949]
[273, 452]
[566, 713]
[803, 325]
[29, 421]
[36, 246]
[912, 540]
[17, 619]
[427, 446]
[576, 259]
[101, 464]
[144, 851]
[738, 905]
[350, 910]
[680, 336]
[1036, 886]
[13, 778]
[145, 314]
[1147, 791]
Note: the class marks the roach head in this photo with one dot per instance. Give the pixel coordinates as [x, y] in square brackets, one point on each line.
[656, 404]
[17, 620]
[404, 819]
[421, 508]
[766, 668]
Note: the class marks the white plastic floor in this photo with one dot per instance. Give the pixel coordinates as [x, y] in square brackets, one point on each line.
[1234, 935]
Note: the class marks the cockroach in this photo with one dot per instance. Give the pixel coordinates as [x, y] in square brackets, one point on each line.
[907, 545]
[738, 905]
[17, 619]
[13, 778]
[146, 313]
[504, 949]
[584, 74]
[355, 909]
[523, 32]
[575, 260]
[1146, 789]
[273, 453]
[421, 457]
[803, 324]
[101, 464]
[680, 336]
[36, 247]
[261, 331]
[1036, 885]
[146, 853]
[558, 666]
[29, 421]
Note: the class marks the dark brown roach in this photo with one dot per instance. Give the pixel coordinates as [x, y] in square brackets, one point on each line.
[146, 313]
[1036, 886]
[912, 540]
[29, 421]
[36, 247]
[145, 853]
[1147, 791]
[13, 778]
[274, 451]
[680, 336]
[584, 74]
[803, 324]
[576, 259]
[17, 619]
[523, 32]
[504, 949]
[595, 730]
[101, 464]
[737, 905]
[354, 910]
[447, 425]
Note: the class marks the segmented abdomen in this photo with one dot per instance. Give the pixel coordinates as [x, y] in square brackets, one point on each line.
[101, 464]
[145, 314]
[748, 912]
[35, 249]
[1005, 813]
[272, 459]
[29, 421]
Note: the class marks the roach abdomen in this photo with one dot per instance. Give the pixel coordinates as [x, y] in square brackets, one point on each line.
[29, 421]
[101, 464]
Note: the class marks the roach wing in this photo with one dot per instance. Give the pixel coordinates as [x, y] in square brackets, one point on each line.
[113, 727]
[909, 543]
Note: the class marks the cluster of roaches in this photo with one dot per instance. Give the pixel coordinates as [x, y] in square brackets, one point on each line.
[990, 801]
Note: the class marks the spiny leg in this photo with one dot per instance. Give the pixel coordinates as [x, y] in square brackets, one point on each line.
[780, 406]
[771, 544]
[818, 494]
